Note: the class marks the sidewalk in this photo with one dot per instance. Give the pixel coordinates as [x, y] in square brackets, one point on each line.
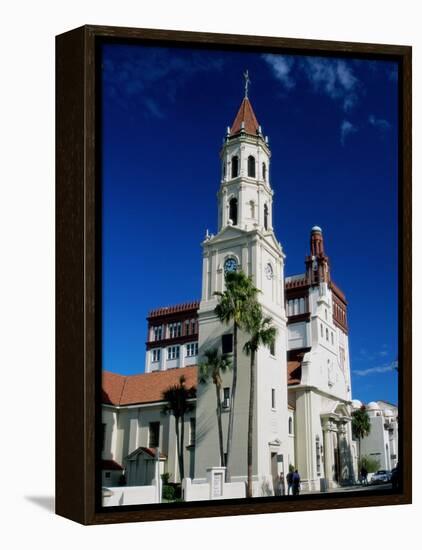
[353, 488]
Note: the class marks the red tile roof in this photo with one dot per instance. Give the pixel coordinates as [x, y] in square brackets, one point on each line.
[247, 116]
[149, 451]
[143, 388]
[110, 465]
[158, 312]
[294, 371]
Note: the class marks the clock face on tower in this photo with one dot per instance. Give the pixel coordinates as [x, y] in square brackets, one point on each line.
[230, 265]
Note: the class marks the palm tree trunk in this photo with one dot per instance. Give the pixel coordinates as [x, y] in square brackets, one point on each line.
[231, 415]
[220, 425]
[360, 455]
[176, 418]
[250, 422]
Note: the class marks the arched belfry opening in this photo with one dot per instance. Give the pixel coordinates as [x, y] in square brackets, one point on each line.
[233, 210]
[264, 171]
[265, 216]
[235, 166]
[251, 167]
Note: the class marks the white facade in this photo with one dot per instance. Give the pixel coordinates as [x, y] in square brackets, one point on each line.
[382, 443]
[127, 433]
[173, 356]
[322, 398]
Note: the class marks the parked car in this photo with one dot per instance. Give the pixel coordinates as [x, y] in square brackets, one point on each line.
[381, 476]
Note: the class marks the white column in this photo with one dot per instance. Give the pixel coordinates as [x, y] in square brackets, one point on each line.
[328, 453]
[205, 276]
[182, 351]
[224, 208]
[240, 209]
[245, 259]
[157, 477]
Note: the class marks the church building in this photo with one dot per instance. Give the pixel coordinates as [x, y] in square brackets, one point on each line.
[303, 387]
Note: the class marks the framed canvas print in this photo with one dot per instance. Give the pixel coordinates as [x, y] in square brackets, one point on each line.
[233, 275]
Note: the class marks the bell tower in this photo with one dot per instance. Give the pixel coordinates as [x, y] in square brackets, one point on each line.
[245, 196]
[245, 240]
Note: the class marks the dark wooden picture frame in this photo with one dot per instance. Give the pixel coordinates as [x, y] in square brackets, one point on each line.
[78, 261]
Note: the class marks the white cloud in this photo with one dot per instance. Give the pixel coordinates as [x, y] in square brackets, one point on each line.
[132, 80]
[332, 77]
[346, 129]
[377, 370]
[282, 67]
[380, 123]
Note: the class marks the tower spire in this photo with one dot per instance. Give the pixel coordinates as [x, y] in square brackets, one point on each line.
[317, 264]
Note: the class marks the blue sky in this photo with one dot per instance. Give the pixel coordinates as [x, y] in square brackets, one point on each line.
[332, 127]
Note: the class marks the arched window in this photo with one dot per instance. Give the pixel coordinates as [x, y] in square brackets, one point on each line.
[224, 169]
[265, 217]
[233, 210]
[235, 166]
[326, 334]
[322, 331]
[264, 171]
[251, 166]
[290, 425]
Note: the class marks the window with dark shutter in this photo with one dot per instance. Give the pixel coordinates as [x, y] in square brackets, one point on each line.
[251, 166]
[154, 435]
[233, 210]
[227, 343]
[265, 217]
[235, 166]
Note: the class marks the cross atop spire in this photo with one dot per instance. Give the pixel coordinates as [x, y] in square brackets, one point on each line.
[247, 82]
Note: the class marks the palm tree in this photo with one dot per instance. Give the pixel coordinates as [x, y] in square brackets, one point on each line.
[233, 305]
[262, 333]
[212, 367]
[178, 403]
[361, 425]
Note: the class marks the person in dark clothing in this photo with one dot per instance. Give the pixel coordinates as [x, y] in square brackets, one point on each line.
[296, 483]
[289, 479]
[364, 475]
[395, 477]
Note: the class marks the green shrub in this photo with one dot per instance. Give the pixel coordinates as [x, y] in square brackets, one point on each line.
[371, 464]
[168, 492]
[165, 478]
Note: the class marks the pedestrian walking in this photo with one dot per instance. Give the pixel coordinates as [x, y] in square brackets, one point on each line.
[395, 477]
[296, 483]
[289, 479]
[364, 475]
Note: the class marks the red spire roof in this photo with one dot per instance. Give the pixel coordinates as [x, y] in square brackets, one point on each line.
[247, 116]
